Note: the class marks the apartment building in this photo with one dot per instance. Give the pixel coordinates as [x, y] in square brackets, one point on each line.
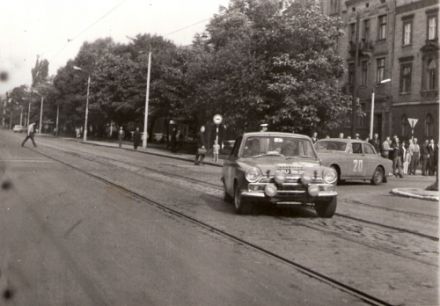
[391, 48]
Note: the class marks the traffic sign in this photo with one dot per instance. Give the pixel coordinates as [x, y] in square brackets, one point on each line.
[217, 119]
[412, 122]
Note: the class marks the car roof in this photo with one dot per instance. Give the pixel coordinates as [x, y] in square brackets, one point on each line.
[275, 134]
[343, 140]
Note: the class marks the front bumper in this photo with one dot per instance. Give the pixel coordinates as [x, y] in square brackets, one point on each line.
[290, 191]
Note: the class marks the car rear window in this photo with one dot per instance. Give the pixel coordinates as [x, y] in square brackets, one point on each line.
[330, 146]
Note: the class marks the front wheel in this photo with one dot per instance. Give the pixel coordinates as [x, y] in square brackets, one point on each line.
[242, 205]
[226, 197]
[326, 208]
[378, 176]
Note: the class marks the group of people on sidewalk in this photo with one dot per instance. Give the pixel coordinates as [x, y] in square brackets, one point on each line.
[137, 139]
[407, 157]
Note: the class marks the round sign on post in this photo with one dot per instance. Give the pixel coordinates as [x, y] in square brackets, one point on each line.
[217, 119]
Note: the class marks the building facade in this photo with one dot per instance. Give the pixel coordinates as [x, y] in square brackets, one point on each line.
[391, 48]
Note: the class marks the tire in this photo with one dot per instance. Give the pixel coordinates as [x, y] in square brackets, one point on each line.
[242, 205]
[327, 208]
[226, 197]
[378, 176]
[338, 181]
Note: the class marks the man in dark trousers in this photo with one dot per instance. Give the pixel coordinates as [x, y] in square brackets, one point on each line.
[424, 155]
[30, 134]
[376, 142]
[136, 138]
[201, 146]
[431, 161]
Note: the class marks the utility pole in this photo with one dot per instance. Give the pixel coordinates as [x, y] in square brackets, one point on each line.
[147, 96]
[57, 119]
[355, 87]
[40, 126]
[87, 110]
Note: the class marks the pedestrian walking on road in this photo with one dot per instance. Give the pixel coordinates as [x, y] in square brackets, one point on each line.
[397, 157]
[424, 154]
[201, 146]
[30, 134]
[121, 135]
[136, 138]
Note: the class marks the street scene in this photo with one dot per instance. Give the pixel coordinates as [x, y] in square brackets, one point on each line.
[251, 152]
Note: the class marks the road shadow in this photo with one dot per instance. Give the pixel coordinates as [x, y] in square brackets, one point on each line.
[261, 208]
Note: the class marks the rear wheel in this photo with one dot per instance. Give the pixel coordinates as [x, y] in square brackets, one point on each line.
[242, 205]
[378, 176]
[326, 208]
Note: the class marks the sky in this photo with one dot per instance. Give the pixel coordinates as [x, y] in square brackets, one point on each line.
[56, 29]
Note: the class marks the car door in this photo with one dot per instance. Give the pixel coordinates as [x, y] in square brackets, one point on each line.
[358, 160]
[230, 167]
[371, 159]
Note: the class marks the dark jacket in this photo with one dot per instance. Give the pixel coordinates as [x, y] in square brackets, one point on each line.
[424, 151]
[376, 144]
[201, 140]
[137, 138]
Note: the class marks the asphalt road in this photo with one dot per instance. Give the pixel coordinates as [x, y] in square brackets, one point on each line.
[71, 239]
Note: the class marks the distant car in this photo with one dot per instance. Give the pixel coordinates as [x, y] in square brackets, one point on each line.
[278, 168]
[354, 160]
[18, 128]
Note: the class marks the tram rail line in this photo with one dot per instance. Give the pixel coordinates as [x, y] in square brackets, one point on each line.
[219, 188]
[365, 297]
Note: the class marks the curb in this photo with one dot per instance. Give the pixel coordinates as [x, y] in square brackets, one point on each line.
[409, 194]
[151, 153]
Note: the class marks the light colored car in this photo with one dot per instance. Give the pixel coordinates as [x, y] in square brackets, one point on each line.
[278, 168]
[18, 128]
[354, 160]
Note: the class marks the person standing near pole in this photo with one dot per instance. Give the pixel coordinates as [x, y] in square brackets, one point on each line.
[121, 135]
[136, 138]
[30, 134]
[425, 157]
[201, 146]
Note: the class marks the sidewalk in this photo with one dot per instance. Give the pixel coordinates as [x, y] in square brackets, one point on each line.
[416, 193]
[151, 151]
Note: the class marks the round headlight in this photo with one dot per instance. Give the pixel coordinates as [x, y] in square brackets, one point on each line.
[329, 175]
[313, 190]
[280, 177]
[252, 174]
[305, 179]
[270, 190]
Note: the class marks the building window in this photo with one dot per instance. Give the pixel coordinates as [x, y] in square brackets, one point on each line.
[364, 77]
[405, 78]
[382, 27]
[429, 126]
[366, 33]
[351, 74]
[334, 6]
[380, 72]
[352, 32]
[432, 27]
[404, 126]
[407, 32]
[430, 76]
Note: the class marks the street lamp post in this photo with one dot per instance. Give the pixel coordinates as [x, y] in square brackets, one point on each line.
[147, 97]
[87, 104]
[372, 106]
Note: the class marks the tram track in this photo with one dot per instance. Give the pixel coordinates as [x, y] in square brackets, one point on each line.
[364, 296]
[96, 159]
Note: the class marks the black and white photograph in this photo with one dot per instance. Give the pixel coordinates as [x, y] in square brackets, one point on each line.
[219, 152]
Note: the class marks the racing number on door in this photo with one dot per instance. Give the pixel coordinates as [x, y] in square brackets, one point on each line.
[358, 165]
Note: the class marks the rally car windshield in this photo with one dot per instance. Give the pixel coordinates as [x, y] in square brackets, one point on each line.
[321, 146]
[288, 147]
